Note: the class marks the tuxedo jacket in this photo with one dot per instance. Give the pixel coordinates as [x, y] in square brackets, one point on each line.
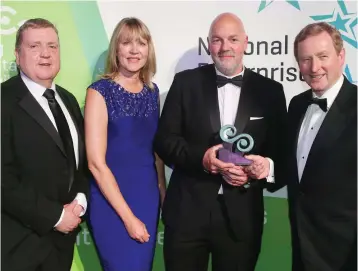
[323, 205]
[190, 124]
[34, 175]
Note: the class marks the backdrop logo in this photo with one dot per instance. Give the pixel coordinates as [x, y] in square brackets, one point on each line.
[7, 27]
[343, 21]
[349, 76]
[264, 4]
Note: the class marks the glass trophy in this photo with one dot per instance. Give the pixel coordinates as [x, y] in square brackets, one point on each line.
[243, 142]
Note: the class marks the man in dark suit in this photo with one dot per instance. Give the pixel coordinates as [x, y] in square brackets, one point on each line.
[43, 180]
[207, 209]
[322, 159]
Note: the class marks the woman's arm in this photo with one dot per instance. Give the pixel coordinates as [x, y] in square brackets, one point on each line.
[96, 122]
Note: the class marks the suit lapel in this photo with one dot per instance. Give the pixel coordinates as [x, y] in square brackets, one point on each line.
[332, 126]
[70, 109]
[211, 96]
[298, 117]
[246, 103]
[32, 107]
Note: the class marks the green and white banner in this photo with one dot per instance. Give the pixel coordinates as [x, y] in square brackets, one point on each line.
[179, 30]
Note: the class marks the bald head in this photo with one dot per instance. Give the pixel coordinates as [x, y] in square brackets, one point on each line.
[226, 19]
[227, 43]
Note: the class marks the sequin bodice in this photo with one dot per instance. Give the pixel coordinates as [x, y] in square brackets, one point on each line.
[121, 102]
[132, 122]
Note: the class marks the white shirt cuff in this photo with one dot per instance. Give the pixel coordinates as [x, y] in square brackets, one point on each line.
[271, 177]
[59, 221]
[81, 200]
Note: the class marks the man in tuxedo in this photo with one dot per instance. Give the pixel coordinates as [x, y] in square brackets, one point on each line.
[322, 159]
[43, 174]
[207, 209]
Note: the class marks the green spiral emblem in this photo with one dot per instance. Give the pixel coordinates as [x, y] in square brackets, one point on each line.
[244, 142]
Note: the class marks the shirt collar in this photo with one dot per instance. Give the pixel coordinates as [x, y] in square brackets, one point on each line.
[36, 89]
[331, 93]
[241, 73]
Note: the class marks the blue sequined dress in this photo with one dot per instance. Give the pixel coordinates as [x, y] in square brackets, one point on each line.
[132, 123]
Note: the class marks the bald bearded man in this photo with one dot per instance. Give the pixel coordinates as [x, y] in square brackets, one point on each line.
[207, 209]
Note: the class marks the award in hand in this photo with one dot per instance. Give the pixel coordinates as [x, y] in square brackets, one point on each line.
[244, 144]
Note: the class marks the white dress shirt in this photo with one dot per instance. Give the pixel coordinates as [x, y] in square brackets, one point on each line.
[37, 91]
[311, 123]
[228, 97]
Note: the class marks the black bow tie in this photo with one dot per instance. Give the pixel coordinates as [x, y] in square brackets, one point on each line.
[322, 103]
[222, 81]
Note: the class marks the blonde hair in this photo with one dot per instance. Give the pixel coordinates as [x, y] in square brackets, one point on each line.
[35, 23]
[315, 29]
[131, 27]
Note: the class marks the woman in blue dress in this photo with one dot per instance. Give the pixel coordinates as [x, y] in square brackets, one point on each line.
[121, 116]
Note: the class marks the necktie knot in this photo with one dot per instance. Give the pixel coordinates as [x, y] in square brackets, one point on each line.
[222, 80]
[49, 94]
[322, 103]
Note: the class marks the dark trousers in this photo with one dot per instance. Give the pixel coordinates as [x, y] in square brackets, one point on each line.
[189, 249]
[297, 264]
[59, 259]
[351, 263]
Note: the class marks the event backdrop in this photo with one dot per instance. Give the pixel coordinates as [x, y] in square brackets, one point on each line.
[180, 31]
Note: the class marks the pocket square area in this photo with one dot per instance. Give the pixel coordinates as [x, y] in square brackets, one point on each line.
[256, 118]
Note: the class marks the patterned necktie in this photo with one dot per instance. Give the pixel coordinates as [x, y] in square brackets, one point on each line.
[222, 80]
[63, 130]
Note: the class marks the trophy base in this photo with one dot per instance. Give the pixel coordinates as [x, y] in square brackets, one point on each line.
[228, 156]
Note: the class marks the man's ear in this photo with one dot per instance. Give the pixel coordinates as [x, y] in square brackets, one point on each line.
[16, 53]
[342, 56]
